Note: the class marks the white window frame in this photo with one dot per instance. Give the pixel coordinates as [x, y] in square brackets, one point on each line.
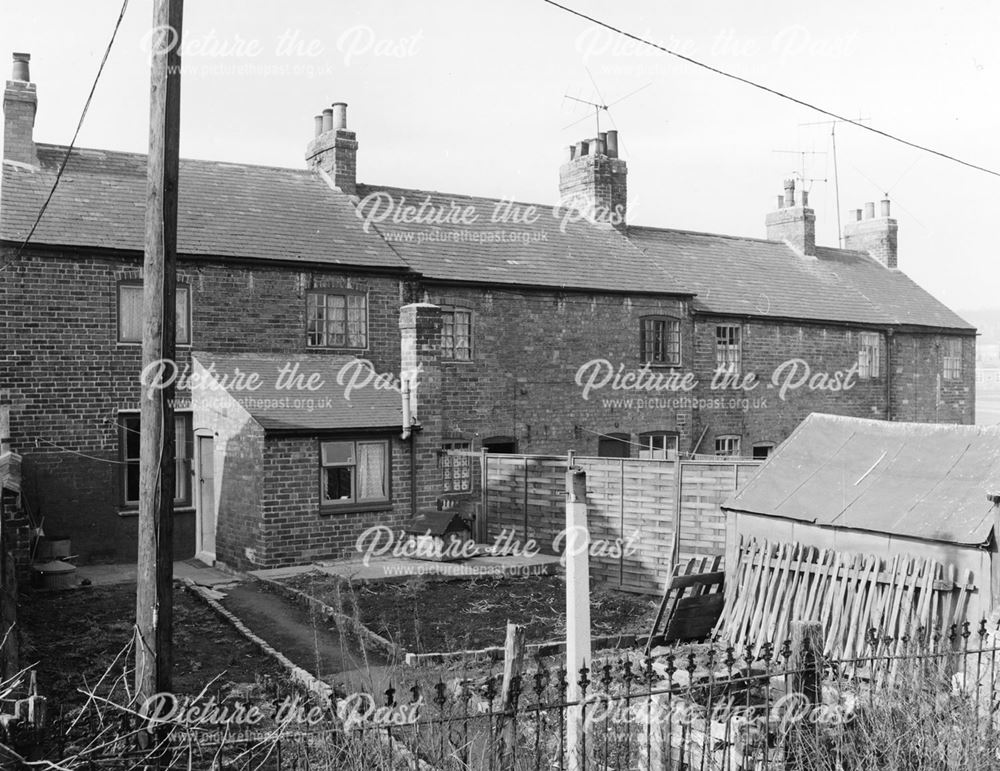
[729, 348]
[659, 445]
[727, 446]
[318, 329]
[449, 340]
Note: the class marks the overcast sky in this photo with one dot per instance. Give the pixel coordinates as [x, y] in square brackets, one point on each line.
[468, 97]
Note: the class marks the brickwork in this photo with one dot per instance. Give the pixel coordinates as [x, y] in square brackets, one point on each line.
[292, 528]
[69, 376]
[20, 101]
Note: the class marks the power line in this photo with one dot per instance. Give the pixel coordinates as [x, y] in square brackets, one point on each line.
[773, 91]
[72, 144]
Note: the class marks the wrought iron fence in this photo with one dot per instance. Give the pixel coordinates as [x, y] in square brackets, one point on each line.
[926, 700]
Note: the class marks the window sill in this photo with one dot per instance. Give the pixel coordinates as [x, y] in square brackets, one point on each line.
[128, 513]
[658, 365]
[458, 361]
[327, 509]
[336, 348]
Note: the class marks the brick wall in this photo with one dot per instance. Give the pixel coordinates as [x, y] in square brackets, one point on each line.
[69, 376]
[527, 350]
[529, 346]
[292, 528]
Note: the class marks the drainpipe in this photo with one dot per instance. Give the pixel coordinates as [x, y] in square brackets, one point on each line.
[888, 373]
[408, 434]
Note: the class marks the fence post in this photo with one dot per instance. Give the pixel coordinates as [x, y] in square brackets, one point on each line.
[483, 528]
[807, 673]
[513, 664]
[577, 557]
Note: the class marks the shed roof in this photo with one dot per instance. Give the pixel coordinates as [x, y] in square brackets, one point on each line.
[329, 407]
[926, 481]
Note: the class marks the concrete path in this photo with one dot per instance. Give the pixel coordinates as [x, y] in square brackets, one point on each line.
[199, 572]
[308, 641]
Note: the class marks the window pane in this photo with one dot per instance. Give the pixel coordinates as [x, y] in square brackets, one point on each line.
[371, 471]
[130, 313]
[337, 483]
[132, 482]
[130, 425]
[338, 453]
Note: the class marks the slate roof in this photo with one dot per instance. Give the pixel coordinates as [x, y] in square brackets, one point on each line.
[225, 209]
[330, 407]
[257, 212]
[754, 277]
[927, 481]
[557, 249]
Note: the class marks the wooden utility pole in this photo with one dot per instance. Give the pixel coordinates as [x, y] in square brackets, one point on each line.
[154, 597]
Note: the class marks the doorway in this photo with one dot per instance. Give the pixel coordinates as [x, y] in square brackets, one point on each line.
[206, 500]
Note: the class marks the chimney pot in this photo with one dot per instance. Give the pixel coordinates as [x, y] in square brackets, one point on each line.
[805, 198]
[340, 115]
[572, 152]
[319, 125]
[21, 69]
[581, 149]
[869, 210]
[328, 119]
[598, 145]
[789, 193]
[781, 202]
[611, 144]
[885, 207]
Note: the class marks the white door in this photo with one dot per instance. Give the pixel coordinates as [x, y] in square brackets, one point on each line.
[206, 499]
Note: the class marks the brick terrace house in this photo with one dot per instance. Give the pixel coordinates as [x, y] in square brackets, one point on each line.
[521, 319]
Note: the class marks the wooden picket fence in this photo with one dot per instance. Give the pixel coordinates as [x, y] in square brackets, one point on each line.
[850, 594]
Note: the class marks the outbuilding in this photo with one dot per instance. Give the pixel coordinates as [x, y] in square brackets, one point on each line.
[861, 486]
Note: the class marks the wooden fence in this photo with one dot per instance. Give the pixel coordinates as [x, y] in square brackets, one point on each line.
[641, 520]
[849, 594]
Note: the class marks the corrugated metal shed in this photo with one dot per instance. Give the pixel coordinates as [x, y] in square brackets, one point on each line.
[905, 479]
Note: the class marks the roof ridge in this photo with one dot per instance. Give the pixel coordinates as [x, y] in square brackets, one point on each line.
[142, 156]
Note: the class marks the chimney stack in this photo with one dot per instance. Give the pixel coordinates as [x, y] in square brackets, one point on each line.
[594, 182]
[334, 149]
[878, 236]
[793, 224]
[20, 103]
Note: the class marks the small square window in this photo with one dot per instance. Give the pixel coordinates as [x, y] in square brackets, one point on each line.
[727, 446]
[456, 470]
[354, 473]
[728, 353]
[952, 359]
[660, 341]
[456, 334]
[336, 319]
[762, 450]
[130, 313]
